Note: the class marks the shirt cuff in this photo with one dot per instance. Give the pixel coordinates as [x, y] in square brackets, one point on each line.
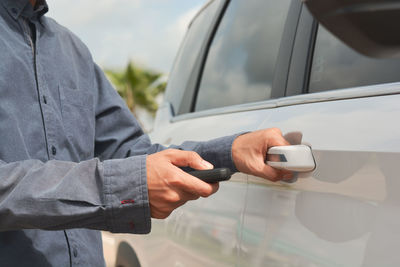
[219, 152]
[126, 195]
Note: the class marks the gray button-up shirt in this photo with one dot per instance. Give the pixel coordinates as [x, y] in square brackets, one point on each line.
[72, 156]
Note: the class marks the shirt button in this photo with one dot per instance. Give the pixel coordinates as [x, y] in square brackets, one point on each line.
[75, 253]
[14, 10]
[53, 150]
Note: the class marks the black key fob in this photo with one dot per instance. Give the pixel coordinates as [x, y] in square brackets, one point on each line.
[213, 176]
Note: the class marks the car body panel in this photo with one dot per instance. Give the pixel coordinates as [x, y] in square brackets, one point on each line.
[344, 213]
[329, 217]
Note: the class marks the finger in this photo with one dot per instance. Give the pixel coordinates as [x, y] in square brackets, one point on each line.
[274, 138]
[179, 197]
[171, 200]
[157, 214]
[273, 174]
[291, 178]
[287, 175]
[277, 140]
[185, 196]
[275, 130]
[215, 187]
[189, 158]
[193, 185]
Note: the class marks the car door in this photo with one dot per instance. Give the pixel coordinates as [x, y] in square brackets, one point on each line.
[248, 65]
[345, 213]
[207, 232]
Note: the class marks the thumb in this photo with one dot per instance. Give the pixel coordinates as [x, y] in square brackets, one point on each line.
[189, 159]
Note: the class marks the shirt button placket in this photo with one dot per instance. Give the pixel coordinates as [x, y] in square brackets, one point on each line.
[75, 252]
[53, 150]
[44, 104]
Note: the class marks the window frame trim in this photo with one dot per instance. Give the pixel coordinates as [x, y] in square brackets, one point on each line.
[204, 57]
[179, 107]
[385, 89]
[297, 79]
[282, 65]
[189, 92]
[301, 61]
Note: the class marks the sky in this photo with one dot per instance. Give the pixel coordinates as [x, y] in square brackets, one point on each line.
[148, 32]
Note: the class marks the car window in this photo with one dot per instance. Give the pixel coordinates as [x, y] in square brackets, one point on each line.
[188, 53]
[241, 61]
[336, 66]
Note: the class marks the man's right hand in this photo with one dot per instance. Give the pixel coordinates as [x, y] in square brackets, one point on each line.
[170, 187]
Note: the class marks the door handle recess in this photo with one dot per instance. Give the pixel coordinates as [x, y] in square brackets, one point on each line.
[297, 158]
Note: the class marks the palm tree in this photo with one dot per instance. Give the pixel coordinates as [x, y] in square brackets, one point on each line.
[134, 85]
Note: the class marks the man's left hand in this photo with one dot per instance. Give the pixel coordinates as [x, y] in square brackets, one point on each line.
[249, 152]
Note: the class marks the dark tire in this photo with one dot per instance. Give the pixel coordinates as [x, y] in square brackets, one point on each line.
[126, 256]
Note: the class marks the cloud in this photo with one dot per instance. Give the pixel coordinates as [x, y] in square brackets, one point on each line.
[116, 31]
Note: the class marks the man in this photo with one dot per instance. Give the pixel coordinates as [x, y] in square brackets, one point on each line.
[74, 160]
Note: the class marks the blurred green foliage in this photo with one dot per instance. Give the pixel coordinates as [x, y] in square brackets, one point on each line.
[138, 86]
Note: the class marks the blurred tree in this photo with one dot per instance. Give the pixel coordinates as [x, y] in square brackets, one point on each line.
[138, 86]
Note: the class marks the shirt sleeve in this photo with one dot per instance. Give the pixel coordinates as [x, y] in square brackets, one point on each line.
[109, 195]
[119, 135]
[108, 192]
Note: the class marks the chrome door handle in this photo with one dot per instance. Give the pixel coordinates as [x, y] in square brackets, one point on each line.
[297, 158]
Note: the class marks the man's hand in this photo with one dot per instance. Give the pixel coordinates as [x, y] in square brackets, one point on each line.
[249, 152]
[169, 187]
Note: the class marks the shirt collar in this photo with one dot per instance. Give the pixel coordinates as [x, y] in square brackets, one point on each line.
[18, 8]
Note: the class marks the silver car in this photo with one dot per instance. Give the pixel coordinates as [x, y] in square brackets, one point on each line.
[249, 64]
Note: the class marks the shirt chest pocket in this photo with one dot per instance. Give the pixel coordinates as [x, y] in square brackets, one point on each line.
[77, 108]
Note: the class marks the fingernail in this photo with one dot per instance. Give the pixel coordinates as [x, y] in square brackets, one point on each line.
[290, 177]
[293, 180]
[287, 176]
[206, 164]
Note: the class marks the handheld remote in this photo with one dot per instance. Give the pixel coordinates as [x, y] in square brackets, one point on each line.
[213, 176]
